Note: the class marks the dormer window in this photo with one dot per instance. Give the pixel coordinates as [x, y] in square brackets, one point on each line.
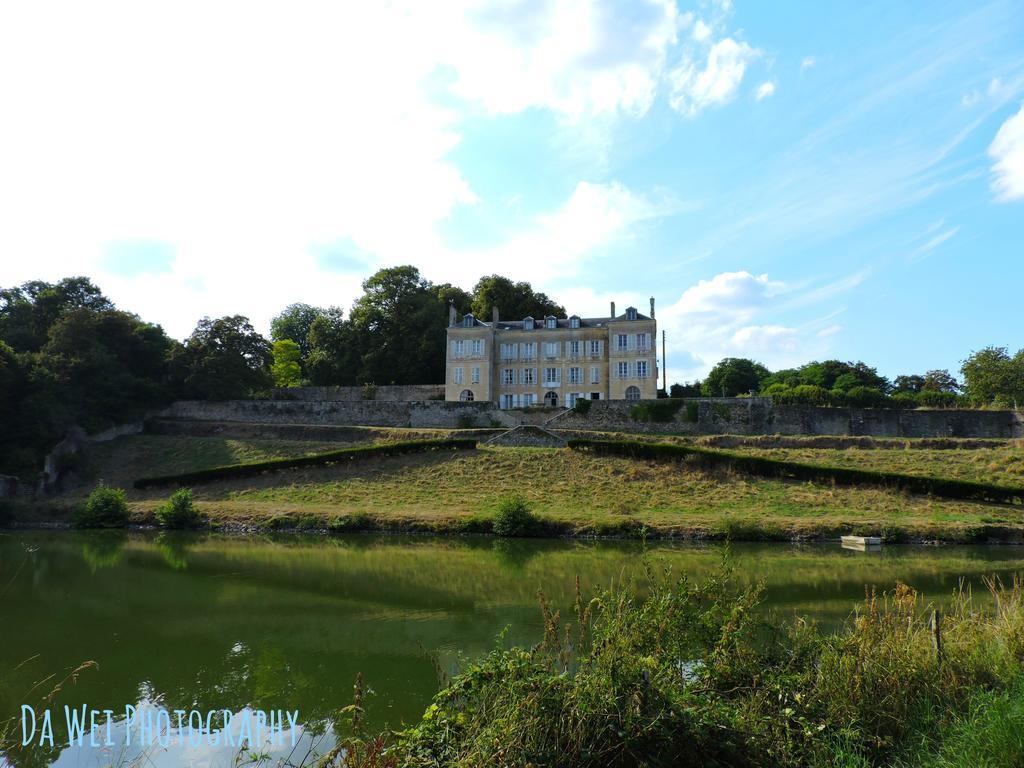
[467, 321]
[528, 324]
[631, 313]
[574, 322]
[550, 322]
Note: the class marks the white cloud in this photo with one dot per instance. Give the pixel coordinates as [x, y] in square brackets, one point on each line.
[577, 58]
[933, 243]
[701, 31]
[595, 215]
[765, 90]
[1007, 153]
[807, 62]
[728, 297]
[695, 88]
[737, 314]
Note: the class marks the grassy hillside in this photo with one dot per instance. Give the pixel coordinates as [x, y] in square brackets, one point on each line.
[582, 493]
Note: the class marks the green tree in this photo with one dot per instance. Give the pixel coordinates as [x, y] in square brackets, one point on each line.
[294, 323]
[452, 294]
[513, 300]
[399, 325]
[992, 376]
[734, 376]
[940, 381]
[223, 359]
[27, 312]
[908, 384]
[286, 369]
[107, 367]
[334, 356]
[685, 389]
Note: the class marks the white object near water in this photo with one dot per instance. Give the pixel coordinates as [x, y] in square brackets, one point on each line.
[861, 543]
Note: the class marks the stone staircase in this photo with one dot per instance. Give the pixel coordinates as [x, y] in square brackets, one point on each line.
[527, 436]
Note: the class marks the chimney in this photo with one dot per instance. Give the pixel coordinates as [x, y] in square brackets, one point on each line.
[494, 315]
[652, 307]
[613, 310]
[451, 314]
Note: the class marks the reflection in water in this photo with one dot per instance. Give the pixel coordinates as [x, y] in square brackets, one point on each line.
[212, 622]
[103, 549]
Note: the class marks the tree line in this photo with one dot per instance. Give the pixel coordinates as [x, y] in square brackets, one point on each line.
[992, 377]
[68, 356]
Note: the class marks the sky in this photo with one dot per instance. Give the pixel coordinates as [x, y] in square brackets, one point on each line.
[790, 181]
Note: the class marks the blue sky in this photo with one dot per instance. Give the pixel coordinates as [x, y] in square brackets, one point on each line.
[791, 181]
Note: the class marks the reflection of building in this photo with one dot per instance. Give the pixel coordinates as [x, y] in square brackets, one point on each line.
[551, 361]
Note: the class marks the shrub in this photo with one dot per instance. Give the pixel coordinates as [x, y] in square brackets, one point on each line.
[692, 412]
[465, 421]
[179, 511]
[104, 508]
[514, 517]
[357, 521]
[656, 410]
[369, 391]
[866, 397]
[581, 406]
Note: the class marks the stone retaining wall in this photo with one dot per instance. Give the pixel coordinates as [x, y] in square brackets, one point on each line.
[390, 393]
[741, 415]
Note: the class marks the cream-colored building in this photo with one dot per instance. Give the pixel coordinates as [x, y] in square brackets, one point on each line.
[552, 361]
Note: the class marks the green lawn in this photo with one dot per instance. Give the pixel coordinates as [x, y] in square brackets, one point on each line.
[449, 491]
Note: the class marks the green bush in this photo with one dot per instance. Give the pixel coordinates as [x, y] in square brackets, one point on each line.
[179, 511]
[692, 411]
[514, 518]
[465, 421]
[693, 672]
[866, 397]
[581, 406]
[104, 508]
[656, 410]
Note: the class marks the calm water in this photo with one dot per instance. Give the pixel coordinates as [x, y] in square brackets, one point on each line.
[219, 622]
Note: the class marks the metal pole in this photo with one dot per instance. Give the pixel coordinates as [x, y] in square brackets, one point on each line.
[664, 365]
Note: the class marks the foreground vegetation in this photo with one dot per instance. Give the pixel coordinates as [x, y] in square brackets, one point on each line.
[696, 675]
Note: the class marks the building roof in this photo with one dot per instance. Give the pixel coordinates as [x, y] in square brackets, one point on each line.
[561, 322]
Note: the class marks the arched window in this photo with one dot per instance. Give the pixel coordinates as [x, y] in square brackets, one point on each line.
[632, 393]
[631, 313]
[551, 399]
[574, 322]
[467, 320]
[467, 394]
[550, 322]
[528, 324]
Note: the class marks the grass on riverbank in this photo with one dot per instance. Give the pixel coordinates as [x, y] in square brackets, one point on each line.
[573, 493]
[695, 675]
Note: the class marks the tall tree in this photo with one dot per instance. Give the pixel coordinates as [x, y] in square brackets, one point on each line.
[223, 359]
[28, 311]
[992, 376]
[334, 358]
[734, 376]
[400, 323]
[294, 323]
[940, 380]
[513, 300]
[286, 369]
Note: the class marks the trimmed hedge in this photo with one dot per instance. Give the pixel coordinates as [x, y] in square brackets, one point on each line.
[767, 467]
[233, 471]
